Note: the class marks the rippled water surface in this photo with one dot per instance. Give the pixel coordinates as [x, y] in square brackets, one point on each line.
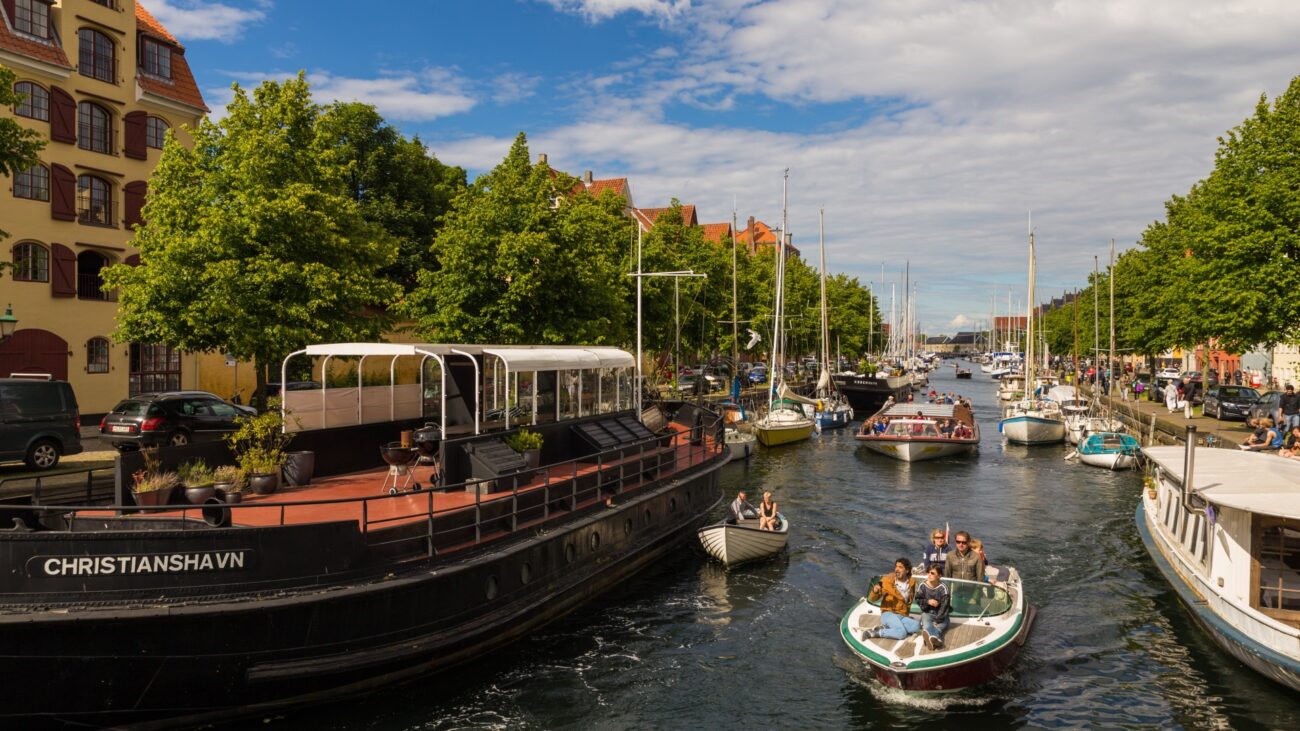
[690, 645]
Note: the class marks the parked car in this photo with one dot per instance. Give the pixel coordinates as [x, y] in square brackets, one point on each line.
[169, 418]
[1168, 373]
[39, 422]
[758, 374]
[1266, 405]
[1224, 402]
[273, 389]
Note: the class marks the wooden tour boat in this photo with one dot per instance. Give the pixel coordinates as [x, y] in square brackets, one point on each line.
[989, 625]
[737, 542]
[186, 615]
[1227, 540]
[912, 433]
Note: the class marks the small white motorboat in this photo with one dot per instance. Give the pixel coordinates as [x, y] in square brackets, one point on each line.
[740, 541]
[740, 443]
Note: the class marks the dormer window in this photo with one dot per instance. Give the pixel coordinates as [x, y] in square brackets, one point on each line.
[157, 59]
[32, 17]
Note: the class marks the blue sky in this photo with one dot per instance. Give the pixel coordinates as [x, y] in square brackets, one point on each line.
[927, 129]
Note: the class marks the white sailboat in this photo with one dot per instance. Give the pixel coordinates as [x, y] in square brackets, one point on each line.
[1032, 420]
[784, 422]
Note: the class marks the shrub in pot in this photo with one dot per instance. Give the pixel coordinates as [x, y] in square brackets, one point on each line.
[258, 444]
[198, 480]
[154, 488]
[230, 481]
[527, 443]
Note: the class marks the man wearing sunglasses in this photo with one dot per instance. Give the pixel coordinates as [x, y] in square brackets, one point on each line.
[964, 563]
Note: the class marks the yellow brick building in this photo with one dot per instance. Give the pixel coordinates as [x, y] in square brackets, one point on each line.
[103, 81]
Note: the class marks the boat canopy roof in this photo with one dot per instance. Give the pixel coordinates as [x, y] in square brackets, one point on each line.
[516, 357]
[1066, 395]
[1251, 481]
[928, 411]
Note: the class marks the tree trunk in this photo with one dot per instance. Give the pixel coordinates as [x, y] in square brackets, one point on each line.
[259, 389]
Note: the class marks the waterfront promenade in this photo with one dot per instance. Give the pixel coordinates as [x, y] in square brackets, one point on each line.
[1152, 423]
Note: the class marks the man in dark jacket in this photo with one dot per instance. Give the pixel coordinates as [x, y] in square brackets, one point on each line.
[964, 563]
[1288, 408]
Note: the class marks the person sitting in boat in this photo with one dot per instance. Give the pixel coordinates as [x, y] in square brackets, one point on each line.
[895, 593]
[935, 600]
[964, 563]
[935, 552]
[882, 425]
[741, 509]
[767, 513]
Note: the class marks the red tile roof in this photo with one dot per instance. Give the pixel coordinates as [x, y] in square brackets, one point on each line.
[648, 216]
[182, 87]
[763, 234]
[717, 232]
[618, 185]
[47, 51]
[146, 23]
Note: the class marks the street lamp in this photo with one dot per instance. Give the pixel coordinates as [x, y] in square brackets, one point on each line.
[8, 323]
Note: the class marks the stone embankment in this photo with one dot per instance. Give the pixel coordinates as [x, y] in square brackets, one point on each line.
[1152, 423]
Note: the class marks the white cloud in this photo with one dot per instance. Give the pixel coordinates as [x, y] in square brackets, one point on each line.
[598, 10]
[402, 96]
[960, 322]
[957, 119]
[203, 21]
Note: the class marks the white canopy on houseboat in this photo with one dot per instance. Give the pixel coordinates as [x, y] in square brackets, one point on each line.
[552, 359]
[1251, 481]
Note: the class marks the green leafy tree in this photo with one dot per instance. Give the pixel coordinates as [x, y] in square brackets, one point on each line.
[524, 257]
[19, 146]
[396, 183]
[254, 244]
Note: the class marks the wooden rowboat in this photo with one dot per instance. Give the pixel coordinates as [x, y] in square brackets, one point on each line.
[737, 542]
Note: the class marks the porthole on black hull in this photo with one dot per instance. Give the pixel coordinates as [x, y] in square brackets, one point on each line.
[595, 541]
[570, 553]
[491, 590]
[526, 573]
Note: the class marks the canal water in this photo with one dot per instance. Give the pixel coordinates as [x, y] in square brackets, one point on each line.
[690, 645]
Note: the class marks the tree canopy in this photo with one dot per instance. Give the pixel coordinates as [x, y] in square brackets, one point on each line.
[19, 146]
[254, 244]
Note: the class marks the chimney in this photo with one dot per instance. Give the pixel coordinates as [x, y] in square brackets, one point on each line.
[586, 178]
[541, 157]
[753, 245]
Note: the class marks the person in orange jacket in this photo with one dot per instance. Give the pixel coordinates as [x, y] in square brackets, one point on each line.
[895, 593]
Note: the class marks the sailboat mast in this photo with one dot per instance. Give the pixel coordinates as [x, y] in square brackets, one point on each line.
[1096, 322]
[735, 319]
[1110, 359]
[1029, 334]
[821, 243]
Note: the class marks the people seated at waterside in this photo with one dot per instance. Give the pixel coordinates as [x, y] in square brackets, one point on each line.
[964, 563]
[1265, 437]
[935, 553]
[767, 512]
[741, 509]
[1291, 444]
[935, 600]
[895, 593]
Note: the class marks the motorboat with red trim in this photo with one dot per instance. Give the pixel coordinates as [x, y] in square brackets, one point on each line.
[181, 615]
[916, 432]
[989, 623]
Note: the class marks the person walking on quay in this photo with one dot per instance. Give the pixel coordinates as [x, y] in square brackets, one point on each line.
[1189, 389]
[1288, 408]
[895, 594]
[1171, 396]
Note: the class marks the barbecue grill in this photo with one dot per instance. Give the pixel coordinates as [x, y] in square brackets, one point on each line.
[401, 474]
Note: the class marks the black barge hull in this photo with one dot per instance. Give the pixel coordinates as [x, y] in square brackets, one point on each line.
[196, 659]
[866, 394]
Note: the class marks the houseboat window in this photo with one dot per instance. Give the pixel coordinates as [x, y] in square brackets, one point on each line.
[547, 408]
[1279, 566]
[431, 395]
[588, 382]
[606, 391]
[525, 385]
[570, 390]
[626, 391]
[493, 389]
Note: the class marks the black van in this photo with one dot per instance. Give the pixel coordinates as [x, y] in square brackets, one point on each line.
[39, 422]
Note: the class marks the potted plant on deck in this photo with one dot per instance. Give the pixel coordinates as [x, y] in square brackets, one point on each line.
[153, 488]
[197, 478]
[258, 445]
[230, 481]
[529, 444]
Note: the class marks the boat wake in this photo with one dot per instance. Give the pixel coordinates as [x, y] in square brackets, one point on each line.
[861, 676]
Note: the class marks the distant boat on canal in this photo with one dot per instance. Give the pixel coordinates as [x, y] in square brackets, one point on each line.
[1228, 540]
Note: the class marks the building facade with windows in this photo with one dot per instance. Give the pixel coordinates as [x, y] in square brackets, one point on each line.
[103, 82]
